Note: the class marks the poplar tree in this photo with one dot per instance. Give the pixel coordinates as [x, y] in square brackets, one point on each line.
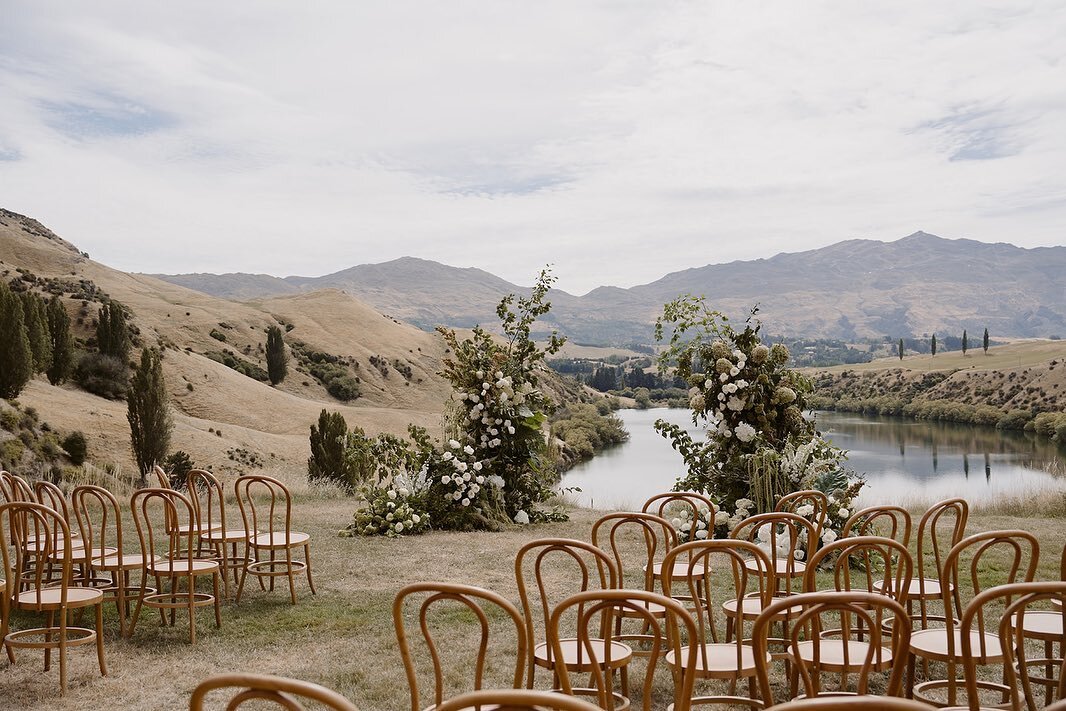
[62, 342]
[277, 360]
[16, 356]
[112, 333]
[932, 345]
[901, 349]
[148, 413]
[984, 341]
[964, 343]
[36, 330]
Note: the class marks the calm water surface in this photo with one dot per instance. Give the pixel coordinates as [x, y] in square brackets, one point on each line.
[904, 461]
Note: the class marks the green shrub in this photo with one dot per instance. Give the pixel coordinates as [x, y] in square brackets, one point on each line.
[344, 388]
[177, 466]
[9, 420]
[11, 452]
[102, 375]
[1014, 420]
[1060, 431]
[1044, 424]
[229, 359]
[218, 335]
[76, 447]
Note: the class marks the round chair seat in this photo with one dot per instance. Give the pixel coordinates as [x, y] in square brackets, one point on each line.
[51, 598]
[186, 527]
[181, 567]
[719, 661]
[831, 654]
[230, 536]
[277, 540]
[781, 567]
[131, 561]
[751, 607]
[621, 654]
[679, 572]
[654, 609]
[933, 644]
[37, 546]
[1042, 624]
[932, 587]
[81, 556]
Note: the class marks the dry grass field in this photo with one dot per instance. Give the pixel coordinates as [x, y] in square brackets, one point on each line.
[343, 636]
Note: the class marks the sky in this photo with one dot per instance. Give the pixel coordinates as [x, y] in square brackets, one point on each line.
[616, 141]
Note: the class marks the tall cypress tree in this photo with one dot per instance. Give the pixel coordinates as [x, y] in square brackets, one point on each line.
[112, 333]
[964, 343]
[36, 330]
[62, 342]
[277, 360]
[148, 413]
[932, 345]
[16, 356]
[984, 341]
[900, 349]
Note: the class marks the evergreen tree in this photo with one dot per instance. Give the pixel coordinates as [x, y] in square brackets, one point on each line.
[984, 341]
[900, 348]
[932, 345]
[112, 333]
[62, 342]
[16, 356]
[37, 330]
[964, 343]
[277, 359]
[329, 444]
[148, 413]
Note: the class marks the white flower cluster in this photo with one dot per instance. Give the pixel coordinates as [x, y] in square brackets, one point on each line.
[466, 480]
[495, 406]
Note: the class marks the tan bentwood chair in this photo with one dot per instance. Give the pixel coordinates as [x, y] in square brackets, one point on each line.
[819, 502]
[724, 655]
[811, 614]
[100, 519]
[889, 521]
[546, 565]
[223, 538]
[273, 516]
[598, 608]
[470, 599]
[42, 595]
[516, 700]
[944, 644]
[278, 690]
[931, 541]
[156, 513]
[1046, 626]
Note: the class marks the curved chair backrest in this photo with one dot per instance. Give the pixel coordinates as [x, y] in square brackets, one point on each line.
[694, 506]
[161, 477]
[47, 493]
[160, 534]
[94, 507]
[1022, 552]
[856, 703]
[516, 700]
[612, 531]
[51, 536]
[601, 607]
[889, 521]
[1017, 599]
[7, 487]
[867, 563]
[784, 537]
[265, 505]
[258, 688]
[208, 498]
[471, 599]
[21, 490]
[818, 502]
[594, 568]
[811, 613]
[715, 562]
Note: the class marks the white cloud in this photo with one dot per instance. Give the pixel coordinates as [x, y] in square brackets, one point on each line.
[617, 141]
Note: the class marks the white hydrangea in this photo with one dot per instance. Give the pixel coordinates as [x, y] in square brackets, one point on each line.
[805, 510]
[745, 432]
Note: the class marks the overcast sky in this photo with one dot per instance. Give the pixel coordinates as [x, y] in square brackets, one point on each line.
[618, 141]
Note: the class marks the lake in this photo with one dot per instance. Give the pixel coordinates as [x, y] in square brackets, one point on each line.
[904, 461]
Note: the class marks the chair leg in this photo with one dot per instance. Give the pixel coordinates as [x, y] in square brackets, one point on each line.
[244, 574]
[291, 574]
[100, 639]
[218, 604]
[140, 601]
[191, 583]
[49, 620]
[224, 564]
[273, 558]
[911, 659]
[63, 651]
[307, 560]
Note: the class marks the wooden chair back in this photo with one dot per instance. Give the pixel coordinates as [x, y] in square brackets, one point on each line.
[818, 501]
[1022, 553]
[812, 613]
[20, 490]
[516, 700]
[99, 518]
[599, 608]
[161, 477]
[889, 521]
[46, 528]
[159, 534]
[265, 505]
[613, 533]
[718, 571]
[208, 498]
[943, 519]
[1017, 600]
[586, 567]
[786, 538]
[470, 599]
[7, 487]
[258, 688]
[692, 505]
[868, 563]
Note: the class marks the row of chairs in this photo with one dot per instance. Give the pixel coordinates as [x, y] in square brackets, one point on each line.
[863, 625]
[61, 555]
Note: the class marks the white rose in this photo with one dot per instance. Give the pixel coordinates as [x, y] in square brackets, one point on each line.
[701, 534]
[734, 371]
[468, 449]
[477, 466]
[829, 535]
[510, 430]
[416, 518]
[745, 432]
[466, 502]
[398, 527]
[445, 479]
[721, 518]
[392, 494]
[454, 444]
[521, 518]
[480, 374]
[805, 510]
[843, 513]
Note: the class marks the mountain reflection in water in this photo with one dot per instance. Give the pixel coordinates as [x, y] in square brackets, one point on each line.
[904, 461]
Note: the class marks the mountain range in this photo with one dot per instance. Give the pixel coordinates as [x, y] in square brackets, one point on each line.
[857, 288]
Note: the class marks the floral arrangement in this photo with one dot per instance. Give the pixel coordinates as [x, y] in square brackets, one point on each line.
[390, 511]
[759, 446]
